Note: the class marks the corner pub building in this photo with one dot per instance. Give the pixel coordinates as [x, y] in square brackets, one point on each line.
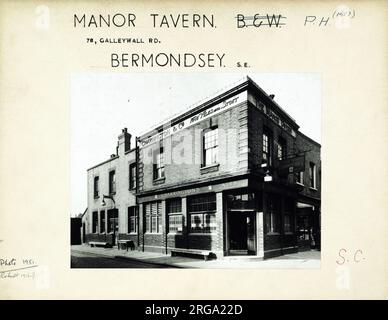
[233, 176]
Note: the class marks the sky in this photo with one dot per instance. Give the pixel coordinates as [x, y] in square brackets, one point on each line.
[104, 103]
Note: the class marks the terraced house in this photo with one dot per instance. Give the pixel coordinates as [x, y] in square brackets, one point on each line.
[231, 176]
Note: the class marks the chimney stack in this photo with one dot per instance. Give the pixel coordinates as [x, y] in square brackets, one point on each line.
[124, 142]
[271, 96]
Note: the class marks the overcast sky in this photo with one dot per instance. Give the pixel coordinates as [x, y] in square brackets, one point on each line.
[103, 104]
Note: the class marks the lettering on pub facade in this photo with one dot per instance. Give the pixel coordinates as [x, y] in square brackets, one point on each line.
[234, 176]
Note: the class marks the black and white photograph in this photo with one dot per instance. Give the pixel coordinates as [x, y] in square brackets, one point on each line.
[198, 170]
[213, 152]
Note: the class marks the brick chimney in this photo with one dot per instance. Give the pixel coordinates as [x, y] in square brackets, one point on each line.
[124, 143]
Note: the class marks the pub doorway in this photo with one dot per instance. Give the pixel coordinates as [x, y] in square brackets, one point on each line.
[242, 235]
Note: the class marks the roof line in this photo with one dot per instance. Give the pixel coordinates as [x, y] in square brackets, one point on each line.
[195, 104]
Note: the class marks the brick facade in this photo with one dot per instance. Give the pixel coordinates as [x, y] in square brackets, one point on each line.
[225, 201]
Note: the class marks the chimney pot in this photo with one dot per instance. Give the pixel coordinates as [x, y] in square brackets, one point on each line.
[272, 96]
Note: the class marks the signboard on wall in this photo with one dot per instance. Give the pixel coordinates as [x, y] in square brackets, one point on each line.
[205, 114]
[292, 165]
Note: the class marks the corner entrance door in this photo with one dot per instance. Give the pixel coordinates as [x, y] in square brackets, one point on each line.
[242, 235]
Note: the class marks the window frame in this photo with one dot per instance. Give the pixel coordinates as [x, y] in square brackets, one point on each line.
[132, 176]
[171, 213]
[313, 175]
[266, 148]
[282, 147]
[96, 187]
[112, 182]
[300, 178]
[135, 215]
[159, 165]
[158, 217]
[213, 148]
[203, 212]
[273, 219]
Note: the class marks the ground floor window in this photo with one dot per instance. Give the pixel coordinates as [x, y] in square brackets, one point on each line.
[175, 223]
[153, 217]
[203, 222]
[288, 215]
[202, 213]
[287, 223]
[102, 221]
[272, 217]
[94, 221]
[272, 223]
[174, 214]
[132, 219]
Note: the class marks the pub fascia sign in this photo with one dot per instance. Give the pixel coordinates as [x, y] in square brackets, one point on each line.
[218, 108]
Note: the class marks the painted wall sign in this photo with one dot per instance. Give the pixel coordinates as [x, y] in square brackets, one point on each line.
[272, 115]
[218, 108]
[205, 189]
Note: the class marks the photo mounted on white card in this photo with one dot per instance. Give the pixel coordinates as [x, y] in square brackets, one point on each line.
[199, 170]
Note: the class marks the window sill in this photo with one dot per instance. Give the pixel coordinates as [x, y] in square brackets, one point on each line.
[174, 233]
[132, 189]
[112, 193]
[273, 234]
[159, 181]
[314, 189]
[153, 233]
[132, 233]
[300, 184]
[210, 168]
[96, 197]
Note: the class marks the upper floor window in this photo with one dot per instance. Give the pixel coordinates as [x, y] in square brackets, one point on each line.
[210, 146]
[153, 217]
[313, 175]
[132, 176]
[159, 164]
[112, 182]
[267, 145]
[96, 191]
[132, 219]
[299, 177]
[174, 213]
[281, 149]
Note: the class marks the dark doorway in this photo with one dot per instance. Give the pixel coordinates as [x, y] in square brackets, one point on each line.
[242, 235]
[113, 224]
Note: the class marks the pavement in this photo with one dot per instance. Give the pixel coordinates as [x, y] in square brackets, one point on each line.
[301, 260]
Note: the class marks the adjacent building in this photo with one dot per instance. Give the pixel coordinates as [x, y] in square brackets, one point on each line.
[233, 175]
